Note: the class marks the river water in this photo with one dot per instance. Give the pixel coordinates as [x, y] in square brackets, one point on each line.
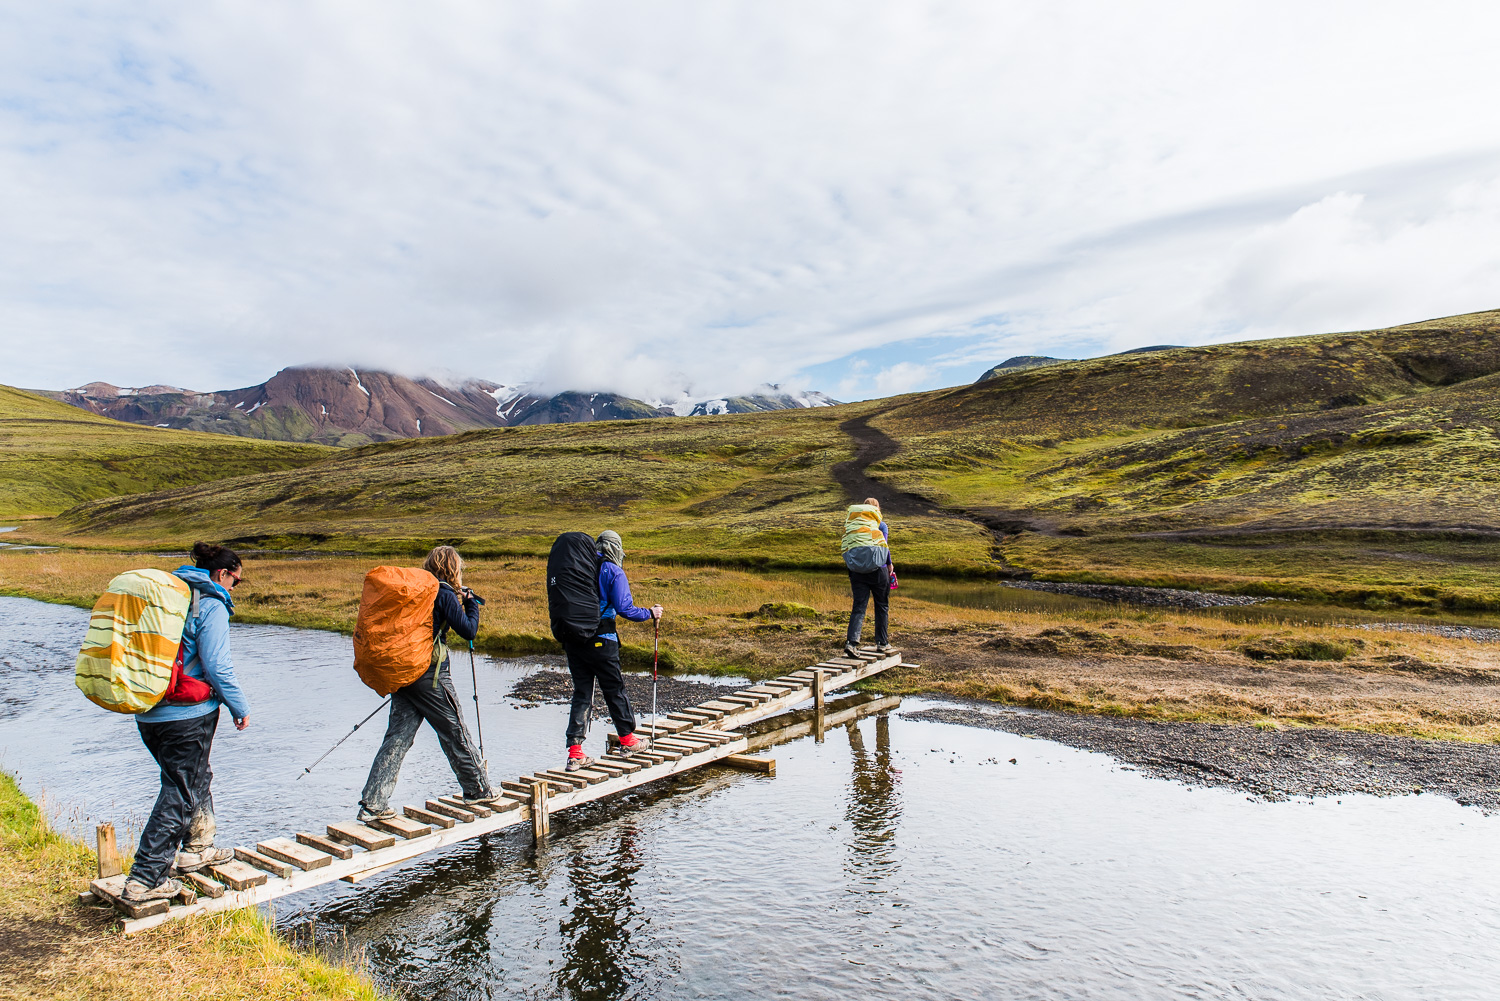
[898, 858]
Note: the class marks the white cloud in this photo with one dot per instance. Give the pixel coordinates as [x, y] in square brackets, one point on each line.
[647, 196]
[902, 377]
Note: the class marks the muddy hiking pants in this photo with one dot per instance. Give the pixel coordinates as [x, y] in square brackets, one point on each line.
[432, 698]
[598, 660]
[184, 812]
[872, 584]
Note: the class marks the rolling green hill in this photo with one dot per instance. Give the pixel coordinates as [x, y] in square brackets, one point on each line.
[1363, 467]
[737, 489]
[53, 456]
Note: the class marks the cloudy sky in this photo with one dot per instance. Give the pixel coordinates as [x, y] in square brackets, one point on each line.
[860, 197]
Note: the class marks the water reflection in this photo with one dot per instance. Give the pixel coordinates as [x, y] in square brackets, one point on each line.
[601, 955]
[874, 810]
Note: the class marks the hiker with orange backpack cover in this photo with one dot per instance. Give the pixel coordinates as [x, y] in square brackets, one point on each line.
[431, 697]
[179, 836]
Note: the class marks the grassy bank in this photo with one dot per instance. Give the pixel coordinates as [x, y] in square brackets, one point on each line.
[54, 948]
[1095, 658]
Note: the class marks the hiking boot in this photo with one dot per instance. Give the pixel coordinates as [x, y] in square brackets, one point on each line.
[365, 816]
[884, 649]
[630, 741]
[193, 861]
[138, 893]
[850, 650]
[488, 799]
[574, 764]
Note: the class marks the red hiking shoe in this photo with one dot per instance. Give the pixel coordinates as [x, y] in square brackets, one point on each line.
[629, 740]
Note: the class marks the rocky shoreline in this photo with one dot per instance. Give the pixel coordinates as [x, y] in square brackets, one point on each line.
[1267, 764]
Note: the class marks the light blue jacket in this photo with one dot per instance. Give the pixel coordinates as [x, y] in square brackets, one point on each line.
[206, 653]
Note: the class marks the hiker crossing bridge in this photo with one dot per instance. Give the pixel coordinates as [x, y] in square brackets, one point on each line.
[677, 742]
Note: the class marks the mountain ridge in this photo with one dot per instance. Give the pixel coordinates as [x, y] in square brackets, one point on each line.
[347, 407]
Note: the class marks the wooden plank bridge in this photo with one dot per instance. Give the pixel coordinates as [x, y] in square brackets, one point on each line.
[349, 851]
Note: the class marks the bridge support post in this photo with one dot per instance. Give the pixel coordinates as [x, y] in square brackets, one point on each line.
[110, 863]
[541, 825]
[817, 688]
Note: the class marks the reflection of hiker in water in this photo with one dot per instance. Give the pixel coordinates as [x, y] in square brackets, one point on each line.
[602, 954]
[873, 807]
[580, 572]
[867, 556]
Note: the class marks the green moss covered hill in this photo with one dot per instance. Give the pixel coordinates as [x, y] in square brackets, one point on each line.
[53, 456]
[1359, 466]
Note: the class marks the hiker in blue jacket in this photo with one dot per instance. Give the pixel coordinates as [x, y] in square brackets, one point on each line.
[180, 832]
[598, 659]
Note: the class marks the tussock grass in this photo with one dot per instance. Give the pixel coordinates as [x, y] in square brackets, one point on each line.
[62, 950]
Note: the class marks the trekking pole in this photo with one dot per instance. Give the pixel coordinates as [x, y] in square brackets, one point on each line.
[655, 658]
[484, 762]
[345, 737]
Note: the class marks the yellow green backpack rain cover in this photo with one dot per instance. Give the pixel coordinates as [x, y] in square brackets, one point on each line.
[125, 664]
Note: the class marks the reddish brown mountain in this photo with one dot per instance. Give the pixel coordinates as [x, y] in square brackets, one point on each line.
[335, 406]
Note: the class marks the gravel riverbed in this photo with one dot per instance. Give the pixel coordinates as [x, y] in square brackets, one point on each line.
[1268, 764]
[1163, 597]
[671, 694]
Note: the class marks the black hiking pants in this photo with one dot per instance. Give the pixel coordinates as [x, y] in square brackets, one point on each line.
[598, 660]
[433, 698]
[876, 584]
[180, 747]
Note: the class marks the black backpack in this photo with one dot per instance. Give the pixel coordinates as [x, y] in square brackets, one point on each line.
[573, 587]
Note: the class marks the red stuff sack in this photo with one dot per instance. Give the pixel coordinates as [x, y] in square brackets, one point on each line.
[183, 689]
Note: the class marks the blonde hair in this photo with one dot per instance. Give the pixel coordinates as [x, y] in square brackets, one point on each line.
[873, 502]
[445, 564]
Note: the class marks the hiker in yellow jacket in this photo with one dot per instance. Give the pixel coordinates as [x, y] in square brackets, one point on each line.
[867, 555]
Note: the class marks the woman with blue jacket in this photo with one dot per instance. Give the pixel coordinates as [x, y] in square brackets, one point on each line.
[180, 831]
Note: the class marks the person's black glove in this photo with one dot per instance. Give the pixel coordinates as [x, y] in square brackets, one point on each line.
[474, 597]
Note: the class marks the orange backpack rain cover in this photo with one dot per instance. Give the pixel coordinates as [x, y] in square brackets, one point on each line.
[393, 635]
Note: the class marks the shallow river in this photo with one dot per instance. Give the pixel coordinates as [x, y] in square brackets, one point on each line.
[896, 859]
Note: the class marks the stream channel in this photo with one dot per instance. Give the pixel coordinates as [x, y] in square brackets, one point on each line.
[898, 858]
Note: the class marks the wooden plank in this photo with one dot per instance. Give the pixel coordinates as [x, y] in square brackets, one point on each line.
[186, 895]
[110, 863]
[205, 886]
[749, 764]
[402, 827]
[717, 706]
[615, 766]
[458, 813]
[112, 890]
[524, 786]
[429, 817]
[355, 833]
[712, 736]
[238, 875]
[287, 850]
[323, 844]
[255, 858]
[509, 802]
[477, 809]
[594, 775]
[569, 780]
